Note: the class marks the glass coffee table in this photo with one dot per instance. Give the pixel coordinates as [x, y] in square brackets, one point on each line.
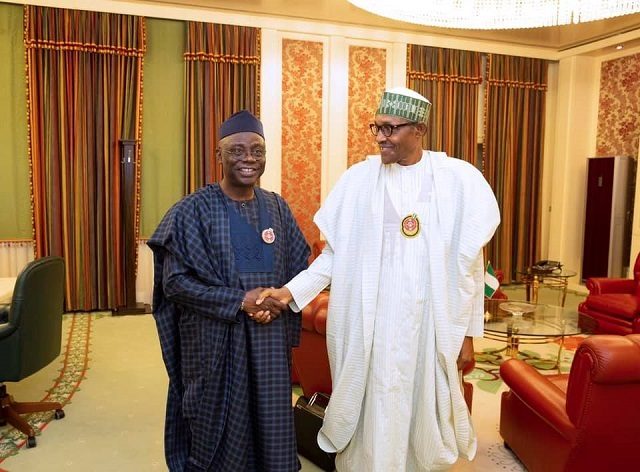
[521, 322]
[534, 278]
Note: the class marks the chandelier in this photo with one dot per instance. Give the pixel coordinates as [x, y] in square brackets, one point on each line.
[498, 14]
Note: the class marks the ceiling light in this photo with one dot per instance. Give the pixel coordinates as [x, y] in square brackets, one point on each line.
[498, 14]
[619, 46]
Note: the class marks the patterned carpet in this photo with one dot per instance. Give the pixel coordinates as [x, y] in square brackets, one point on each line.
[74, 361]
[543, 357]
[136, 381]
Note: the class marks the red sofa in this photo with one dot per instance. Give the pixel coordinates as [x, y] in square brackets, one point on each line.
[588, 420]
[310, 358]
[612, 306]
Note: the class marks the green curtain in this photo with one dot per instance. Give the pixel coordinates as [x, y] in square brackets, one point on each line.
[513, 148]
[451, 80]
[15, 207]
[222, 65]
[84, 73]
[163, 123]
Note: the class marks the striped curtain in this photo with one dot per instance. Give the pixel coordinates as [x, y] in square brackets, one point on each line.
[451, 80]
[513, 147]
[84, 77]
[222, 66]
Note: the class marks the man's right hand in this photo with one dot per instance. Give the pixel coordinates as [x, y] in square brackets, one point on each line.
[264, 310]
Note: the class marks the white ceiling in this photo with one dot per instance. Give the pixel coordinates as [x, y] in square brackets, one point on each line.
[559, 38]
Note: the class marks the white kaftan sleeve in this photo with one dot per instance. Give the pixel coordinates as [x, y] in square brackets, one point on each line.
[476, 320]
[305, 286]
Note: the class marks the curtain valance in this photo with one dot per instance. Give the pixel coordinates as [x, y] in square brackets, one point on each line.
[444, 65]
[517, 72]
[86, 31]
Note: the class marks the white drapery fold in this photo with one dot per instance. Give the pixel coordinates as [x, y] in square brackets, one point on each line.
[144, 277]
[14, 255]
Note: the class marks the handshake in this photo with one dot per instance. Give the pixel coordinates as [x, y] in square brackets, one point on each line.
[264, 305]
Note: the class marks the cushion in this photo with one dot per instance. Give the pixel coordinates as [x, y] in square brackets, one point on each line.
[621, 305]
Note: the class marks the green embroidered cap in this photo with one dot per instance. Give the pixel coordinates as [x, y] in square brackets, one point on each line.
[404, 102]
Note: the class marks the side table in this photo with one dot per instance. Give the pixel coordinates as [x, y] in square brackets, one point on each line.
[534, 278]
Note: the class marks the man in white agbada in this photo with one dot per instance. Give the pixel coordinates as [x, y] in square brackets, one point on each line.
[404, 233]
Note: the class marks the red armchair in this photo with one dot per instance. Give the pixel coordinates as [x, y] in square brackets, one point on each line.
[612, 306]
[310, 358]
[586, 420]
[316, 249]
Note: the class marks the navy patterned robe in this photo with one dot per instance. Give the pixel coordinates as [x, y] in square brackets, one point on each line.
[229, 400]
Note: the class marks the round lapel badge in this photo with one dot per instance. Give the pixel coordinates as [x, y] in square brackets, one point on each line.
[268, 236]
[410, 226]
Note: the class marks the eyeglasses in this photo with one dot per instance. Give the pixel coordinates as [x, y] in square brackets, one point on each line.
[387, 129]
[239, 152]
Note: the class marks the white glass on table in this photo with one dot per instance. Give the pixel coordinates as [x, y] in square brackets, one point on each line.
[517, 308]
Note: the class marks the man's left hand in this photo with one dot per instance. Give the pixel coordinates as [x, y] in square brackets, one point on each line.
[466, 355]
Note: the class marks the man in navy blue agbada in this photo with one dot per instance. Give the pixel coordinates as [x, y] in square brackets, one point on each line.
[228, 359]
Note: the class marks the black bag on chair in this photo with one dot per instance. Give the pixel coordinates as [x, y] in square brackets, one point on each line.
[308, 416]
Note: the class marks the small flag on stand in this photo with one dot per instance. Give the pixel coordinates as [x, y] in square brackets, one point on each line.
[491, 283]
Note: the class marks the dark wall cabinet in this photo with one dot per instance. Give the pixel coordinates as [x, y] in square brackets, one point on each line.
[609, 209]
